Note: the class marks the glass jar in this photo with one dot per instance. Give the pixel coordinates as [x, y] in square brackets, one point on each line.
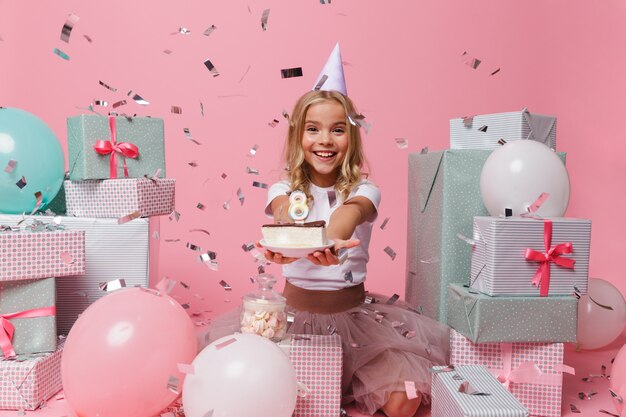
[264, 311]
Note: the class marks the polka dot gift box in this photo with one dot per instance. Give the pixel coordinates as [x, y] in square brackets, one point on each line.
[28, 254]
[120, 197]
[533, 372]
[317, 361]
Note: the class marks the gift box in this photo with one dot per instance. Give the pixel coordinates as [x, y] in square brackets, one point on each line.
[29, 380]
[28, 254]
[317, 361]
[101, 147]
[484, 131]
[120, 197]
[483, 319]
[113, 251]
[532, 372]
[530, 257]
[27, 307]
[471, 391]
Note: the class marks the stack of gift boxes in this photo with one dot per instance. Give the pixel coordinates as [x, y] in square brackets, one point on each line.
[475, 272]
[115, 164]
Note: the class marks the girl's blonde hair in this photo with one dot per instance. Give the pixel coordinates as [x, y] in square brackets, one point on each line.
[298, 171]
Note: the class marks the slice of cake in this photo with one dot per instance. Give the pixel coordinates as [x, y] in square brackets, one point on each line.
[304, 235]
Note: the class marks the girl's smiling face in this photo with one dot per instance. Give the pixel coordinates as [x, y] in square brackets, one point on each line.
[325, 141]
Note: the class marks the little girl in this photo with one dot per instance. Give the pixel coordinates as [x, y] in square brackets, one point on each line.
[384, 344]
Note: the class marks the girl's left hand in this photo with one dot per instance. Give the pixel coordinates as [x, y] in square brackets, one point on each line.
[329, 257]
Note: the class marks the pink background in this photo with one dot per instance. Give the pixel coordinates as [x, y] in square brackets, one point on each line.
[404, 70]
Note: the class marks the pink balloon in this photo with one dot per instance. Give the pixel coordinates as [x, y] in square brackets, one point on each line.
[597, 325]
[618, 378]
[122, 351]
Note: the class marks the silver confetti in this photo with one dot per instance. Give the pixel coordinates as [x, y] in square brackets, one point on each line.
[264, 17]
[586, 395]
[21, 183]
[202, 109]
[88, 38]
[320, 83]
[332, 198]
[211, 68]
[617, 397]
[194, 247]
[167, 51]
[185, 286]
[189, 137]
[177, 110]
[118, 103]
[101, 103]
[574, 409]
[225, 285]
[259, 184]
[107, 86]
[390, 252]
[240, 196]
[209, 30]
[251, 170]
[174, 215]
[348, 276]
[184, 31]
[291, 72]
[172, 384]
[495, 72]
[273, 123]
[138, 99]
[206, 232]
[253, 150]
[424, 150]
[226, 205]
[200, 206]
[384, 223]
[67, 27]
[609, 413]
[10, 165]
[112, 285]
[247, 247]
[402, 143]
[393, 299]
[483, 128]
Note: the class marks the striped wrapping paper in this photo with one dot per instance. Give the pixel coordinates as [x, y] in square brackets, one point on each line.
[112, 251]
[499, 266]
[447, 401]
[508, 126]
[120, 197]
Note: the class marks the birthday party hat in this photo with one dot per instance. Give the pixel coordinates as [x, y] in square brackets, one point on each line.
[331, 77]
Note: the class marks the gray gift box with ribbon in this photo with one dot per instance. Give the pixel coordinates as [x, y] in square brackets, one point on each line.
[29, 307]
[485, 319]
[484, 131]
[84, 132]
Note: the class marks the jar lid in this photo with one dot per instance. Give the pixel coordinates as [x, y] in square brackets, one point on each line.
[265, 293]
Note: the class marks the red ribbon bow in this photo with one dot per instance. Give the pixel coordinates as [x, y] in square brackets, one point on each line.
[111, 147]
[541, 278]
[7, 329]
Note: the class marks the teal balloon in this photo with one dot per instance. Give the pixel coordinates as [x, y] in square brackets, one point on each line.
[28, 143]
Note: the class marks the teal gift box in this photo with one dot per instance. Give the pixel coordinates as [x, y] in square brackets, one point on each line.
[485, 319]
[141, 137]
[444, 197]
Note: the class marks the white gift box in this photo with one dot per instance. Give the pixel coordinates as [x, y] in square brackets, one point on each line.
[112, 251]
[484, 131]
[501, 266]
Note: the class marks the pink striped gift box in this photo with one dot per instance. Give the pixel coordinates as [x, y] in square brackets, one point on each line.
[318, 362]
[532, 372]
[27, 254]
[120, 197]
[29, 380]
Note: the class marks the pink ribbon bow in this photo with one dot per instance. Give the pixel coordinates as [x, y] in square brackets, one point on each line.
[111, 147]
[541, 278]
[7, 329]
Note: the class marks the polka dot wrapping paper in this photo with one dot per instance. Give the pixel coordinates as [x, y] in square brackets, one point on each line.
[317, 361]
[117, 198]
[540, 399]
[146, 133]
[31, 380]
[29, 255]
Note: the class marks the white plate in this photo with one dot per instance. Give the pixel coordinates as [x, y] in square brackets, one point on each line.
[295, 251]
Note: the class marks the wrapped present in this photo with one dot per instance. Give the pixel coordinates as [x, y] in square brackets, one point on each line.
[484, 131]
[113, 251]
[120, 197]
[483, 319]
[28, 253]
[317, 361]
[27, 381]
[471, 391]
[27, 310]
[530, 257]
[532, 372]
[101, 147]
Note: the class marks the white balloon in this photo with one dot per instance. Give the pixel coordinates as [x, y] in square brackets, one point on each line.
[516, 174]
[250, 376]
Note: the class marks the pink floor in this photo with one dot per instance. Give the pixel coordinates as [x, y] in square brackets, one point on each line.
[585, 363]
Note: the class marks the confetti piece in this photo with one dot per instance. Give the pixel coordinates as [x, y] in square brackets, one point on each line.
[226, 205]
[393, 299]
[101, 103]
[224, 175]
[225, 343]
[113, 285]
[194, 247]
[189, 137]
[384, 223]
[88, 38]
[67, 258]
[107, 86]
[501, 141]
[206, 232]
[495, 72]
[251, 170]
[574, 409]
[359, 120]
[61, 54]
[174, 216]
[468, 121]
[273, 123]
[332, 198]
[172, 384]
[138, 99]
[192, 164]
[184, 31]
[167, 51]
[186, 306]
[473, 63]
[259, 184]
[247, 247]
[586, 395]
[240, 196]
[165, 285]
[211, 68]
[10, 166]
[253, 150]
[67, 27]
[483, 129]
[244, 74]
[156, 235]
[129, 217]
[390, 252]
[21, 183]
[202, 109]
[264, 17]
[186, 368]
[617, 397]
[177, 110]
[402, 143]
[409, 387]
[200, 206]
[609, 413]
[291, 72]
[118, 103]
[424, 150]
[320, 83]
[225, 285]
[209, 30]
[348, 276]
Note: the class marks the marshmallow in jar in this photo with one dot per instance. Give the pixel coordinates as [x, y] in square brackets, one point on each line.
[264, 311]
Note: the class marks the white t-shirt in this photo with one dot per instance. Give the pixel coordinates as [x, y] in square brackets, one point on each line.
[305, 274]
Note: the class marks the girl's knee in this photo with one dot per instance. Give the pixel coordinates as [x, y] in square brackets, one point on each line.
[399, 405]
